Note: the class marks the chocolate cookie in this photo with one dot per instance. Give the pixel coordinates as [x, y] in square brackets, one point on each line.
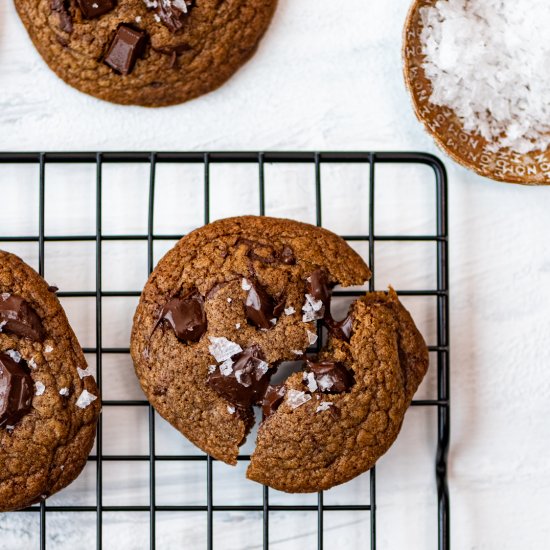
[49, 402]
[145, 52]
[333, 421]
[235, 299]
[222, 310]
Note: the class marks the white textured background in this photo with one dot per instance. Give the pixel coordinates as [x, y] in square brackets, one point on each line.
[327, 76]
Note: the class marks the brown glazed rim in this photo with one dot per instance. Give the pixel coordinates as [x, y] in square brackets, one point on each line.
[468, 149]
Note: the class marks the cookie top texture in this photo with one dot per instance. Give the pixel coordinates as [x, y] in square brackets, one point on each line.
[145, 52]
[49, 401]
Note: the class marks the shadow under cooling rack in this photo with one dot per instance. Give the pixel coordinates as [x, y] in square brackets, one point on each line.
[439, 349]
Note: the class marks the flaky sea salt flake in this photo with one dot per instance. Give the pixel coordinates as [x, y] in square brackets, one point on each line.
[85, 399]
[297, 398]
[82, 373]
[311, 337]
[323, 406]
[290, 311]
[222, 348]
[39, 388]
[309, 379]
[226, 368]
[230, 409]
[245, 285]
[15, 355]
[64, 392]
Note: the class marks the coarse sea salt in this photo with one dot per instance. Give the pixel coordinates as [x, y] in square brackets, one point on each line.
[489, 61]
[222, 348]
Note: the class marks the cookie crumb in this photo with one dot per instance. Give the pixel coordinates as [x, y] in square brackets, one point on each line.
[297, 398]
[85, 399]
[40, 388]
[222, 348]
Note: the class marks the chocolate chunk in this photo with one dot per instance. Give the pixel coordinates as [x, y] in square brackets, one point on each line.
[279, 307]
[331, 377]
[53, 289]
[259, 307]
[127, 46]
[19, 318]
[320, 289]
[341, 329]
[247, 381]
[172, 13]
[95, 8]
[287, 256]
[65, 19]
[186, 316]
[273, 397]
[16, 390]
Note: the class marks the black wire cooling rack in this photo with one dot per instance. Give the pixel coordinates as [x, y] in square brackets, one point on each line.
[440, 349]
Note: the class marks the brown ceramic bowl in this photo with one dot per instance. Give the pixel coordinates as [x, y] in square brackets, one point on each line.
[466, 148]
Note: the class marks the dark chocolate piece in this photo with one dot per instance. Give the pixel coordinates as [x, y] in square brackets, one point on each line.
[273, 397]
[127, 46]
[95, 8]
[19, 318]
[53, 289]
[331, 377]
[287, 256]
[259, 307]
[320, 289]
[16, 390]
[247, 382]
[65, 20]
[172, 13]
[186, 316]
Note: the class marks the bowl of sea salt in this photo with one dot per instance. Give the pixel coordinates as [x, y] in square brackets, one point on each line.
[478, 72]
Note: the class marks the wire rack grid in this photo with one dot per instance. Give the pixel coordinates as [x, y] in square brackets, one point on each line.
[440, 349]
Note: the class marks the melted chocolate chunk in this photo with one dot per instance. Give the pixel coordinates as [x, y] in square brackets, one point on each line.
[320, 288]
[16, 390]
[19, 318]
[172, 13]
[331, 377]
[95, 8]
[186, 316]
[247, 382]
[53, 289]
[65, 19]
[273, 397]
[259, 307]
[287, 256]
[125, 49]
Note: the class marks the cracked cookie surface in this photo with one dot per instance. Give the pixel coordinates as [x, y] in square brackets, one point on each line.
[145, 52]
[313, 447]
[44, 442]
[224, 262]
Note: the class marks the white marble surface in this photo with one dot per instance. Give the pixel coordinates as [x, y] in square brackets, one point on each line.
[326, 77]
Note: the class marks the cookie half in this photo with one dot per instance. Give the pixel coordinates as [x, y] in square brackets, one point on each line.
[335, 420]
[145, 52]
[49, 402]
[223, 308]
